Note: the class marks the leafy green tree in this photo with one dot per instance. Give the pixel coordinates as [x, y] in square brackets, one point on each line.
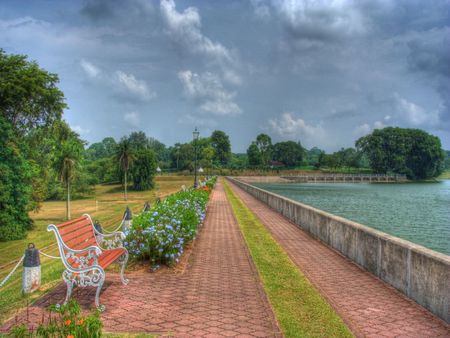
[207, 156]
[253, 154]
[289, 152]
[264, 144]
[67, 161]
[29, 97]
[15, 186]
[125, 155]
[103, 149]
[143, 169]
[239, 161]
[403, 151]
[222, 147]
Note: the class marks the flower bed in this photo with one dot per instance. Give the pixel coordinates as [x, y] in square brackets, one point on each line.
[160, 234]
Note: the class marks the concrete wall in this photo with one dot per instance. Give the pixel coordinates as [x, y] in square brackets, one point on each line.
[420, 273]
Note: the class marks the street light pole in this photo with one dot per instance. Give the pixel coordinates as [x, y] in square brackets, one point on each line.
[195, 135]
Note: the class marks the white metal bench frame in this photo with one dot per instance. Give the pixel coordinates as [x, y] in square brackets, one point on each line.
[88, 271]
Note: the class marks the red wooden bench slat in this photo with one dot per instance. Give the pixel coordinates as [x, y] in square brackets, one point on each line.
[74, 226]
[62, 225]
[78, 235]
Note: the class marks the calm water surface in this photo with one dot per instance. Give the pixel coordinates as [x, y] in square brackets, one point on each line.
[417, 212]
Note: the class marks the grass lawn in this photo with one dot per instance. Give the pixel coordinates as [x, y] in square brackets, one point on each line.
[300, 309]
[107, 206]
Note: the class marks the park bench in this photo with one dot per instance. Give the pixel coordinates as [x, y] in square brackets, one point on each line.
[84, 258]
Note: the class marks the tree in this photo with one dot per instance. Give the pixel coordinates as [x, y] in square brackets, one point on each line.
[125, 156]
[15, 186]
[253, 154]
[67, 161]
[29, 97]
[221, 145]
[103, 149]
[207, 156]
[403, 151]
[289, 152]
[264, 144]
[143, 169]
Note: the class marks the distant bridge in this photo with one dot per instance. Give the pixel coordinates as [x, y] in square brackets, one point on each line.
[342, 178]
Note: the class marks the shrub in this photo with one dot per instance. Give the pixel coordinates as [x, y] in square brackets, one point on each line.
[68, 323]
[160, 234]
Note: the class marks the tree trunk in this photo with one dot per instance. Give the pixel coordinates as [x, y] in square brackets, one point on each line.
[68, 200]
[126, 186]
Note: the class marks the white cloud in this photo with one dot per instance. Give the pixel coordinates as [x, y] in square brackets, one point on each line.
[130, 84]
[184, 28]
[290, 127]
[207, 89]
[413, 113]
[91, 70]
[362, 130]
[132, 118]
[366, 128]
[80, 130]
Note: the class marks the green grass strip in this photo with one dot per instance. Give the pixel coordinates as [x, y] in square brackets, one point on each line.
[299, 308]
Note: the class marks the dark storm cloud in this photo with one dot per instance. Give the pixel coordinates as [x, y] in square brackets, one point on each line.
[116, 10]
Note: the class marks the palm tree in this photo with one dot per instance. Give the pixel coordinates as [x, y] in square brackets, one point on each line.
[125, 156]
[66, 163]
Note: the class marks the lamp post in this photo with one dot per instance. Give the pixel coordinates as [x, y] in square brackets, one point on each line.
[195, 135]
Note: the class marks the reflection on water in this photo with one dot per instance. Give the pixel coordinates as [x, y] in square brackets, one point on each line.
[418, 212]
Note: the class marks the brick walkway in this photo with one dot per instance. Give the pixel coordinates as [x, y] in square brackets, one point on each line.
[369, 306]
[219, 294]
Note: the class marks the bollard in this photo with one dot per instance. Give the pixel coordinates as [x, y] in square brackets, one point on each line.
[127, 218]
[31, 277]
[98, 232]
[146, 207]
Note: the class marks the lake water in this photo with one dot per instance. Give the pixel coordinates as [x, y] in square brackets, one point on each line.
[417, 212]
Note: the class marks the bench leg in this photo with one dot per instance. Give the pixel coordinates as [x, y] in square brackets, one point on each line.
[69, 282]
[123, 260]
[101, 308]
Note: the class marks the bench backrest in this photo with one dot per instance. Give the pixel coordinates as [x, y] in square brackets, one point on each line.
[76, 234]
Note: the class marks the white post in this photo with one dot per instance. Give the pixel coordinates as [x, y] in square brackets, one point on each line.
[31, 277]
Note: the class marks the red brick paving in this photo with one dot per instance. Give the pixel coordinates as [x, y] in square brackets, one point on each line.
[370, 307]
[219, 294]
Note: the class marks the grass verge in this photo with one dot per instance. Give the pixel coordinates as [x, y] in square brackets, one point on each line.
[299, 308]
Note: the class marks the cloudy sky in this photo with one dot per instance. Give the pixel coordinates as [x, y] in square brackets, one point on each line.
[322, 72]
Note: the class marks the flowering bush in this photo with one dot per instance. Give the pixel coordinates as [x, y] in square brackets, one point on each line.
[160, 234]
[67, 323]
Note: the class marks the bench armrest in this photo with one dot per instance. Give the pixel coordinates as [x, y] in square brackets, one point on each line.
[115, 241]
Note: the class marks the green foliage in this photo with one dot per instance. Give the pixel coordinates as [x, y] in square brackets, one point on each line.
[15, 186]
[29, 96]
[289, 152]
[253, 155]
[221, 145]
[403, 151]
[160, 234]
[143, 169]
[104, 149]
[264, 144]
[68, 323]
[344, 158]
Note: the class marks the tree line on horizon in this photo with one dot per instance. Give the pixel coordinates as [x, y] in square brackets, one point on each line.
[42, 158]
